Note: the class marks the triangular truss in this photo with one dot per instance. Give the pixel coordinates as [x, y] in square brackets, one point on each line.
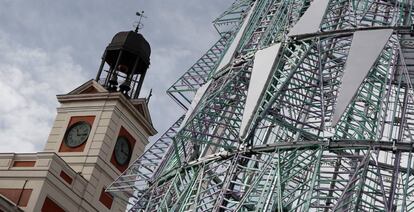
[326, 125]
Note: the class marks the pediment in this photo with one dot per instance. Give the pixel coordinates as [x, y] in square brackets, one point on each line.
[92, 90]
[89, 87]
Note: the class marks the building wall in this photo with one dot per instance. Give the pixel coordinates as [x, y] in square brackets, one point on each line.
[110, 116]
[76, 180]
[45, 180]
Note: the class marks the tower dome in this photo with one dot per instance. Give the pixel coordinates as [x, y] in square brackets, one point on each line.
[128, 58]
[133, 45]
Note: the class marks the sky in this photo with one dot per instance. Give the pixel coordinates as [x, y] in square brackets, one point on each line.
[50, 47]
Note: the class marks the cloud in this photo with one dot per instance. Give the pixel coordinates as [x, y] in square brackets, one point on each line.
[56, 46]
[30, 80]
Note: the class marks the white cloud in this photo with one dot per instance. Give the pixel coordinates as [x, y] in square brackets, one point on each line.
[30, 79]
[56, 46]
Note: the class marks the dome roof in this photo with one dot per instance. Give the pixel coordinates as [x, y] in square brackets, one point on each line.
[132, 42]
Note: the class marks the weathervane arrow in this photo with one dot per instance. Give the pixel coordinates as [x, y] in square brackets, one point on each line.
[139, 25]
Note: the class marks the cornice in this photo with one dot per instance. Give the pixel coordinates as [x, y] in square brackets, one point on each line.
[105, 96]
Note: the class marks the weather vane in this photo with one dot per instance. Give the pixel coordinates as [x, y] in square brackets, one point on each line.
[139, 25]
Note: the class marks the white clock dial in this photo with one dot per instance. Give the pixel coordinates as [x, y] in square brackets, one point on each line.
[122, 151]
[77, 134]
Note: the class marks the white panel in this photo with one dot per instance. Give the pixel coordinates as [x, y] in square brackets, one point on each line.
[230, 51]
[194, 103]
[311, 20]
[261, 75]
[365, 48]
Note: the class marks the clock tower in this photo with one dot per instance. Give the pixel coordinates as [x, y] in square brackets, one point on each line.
[100, 128]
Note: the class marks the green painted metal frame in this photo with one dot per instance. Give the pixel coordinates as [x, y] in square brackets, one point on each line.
[293, 159]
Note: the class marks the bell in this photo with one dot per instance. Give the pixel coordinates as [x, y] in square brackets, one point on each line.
[123, 68]
[125, 87]
[113, 82]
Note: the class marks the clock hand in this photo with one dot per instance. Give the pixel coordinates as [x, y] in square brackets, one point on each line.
[122, 150]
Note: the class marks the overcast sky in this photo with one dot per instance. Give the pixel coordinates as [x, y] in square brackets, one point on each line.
[50, 47]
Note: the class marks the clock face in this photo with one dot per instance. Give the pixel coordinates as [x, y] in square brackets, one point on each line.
[122, 151]
[77, 134]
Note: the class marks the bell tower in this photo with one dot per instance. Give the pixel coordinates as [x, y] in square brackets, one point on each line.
[127, 58]
[103, 125]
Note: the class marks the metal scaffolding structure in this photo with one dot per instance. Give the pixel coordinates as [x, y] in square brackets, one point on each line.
[300, 106]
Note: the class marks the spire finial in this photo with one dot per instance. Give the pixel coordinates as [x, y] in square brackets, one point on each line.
[139, 24]
[149, 96]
